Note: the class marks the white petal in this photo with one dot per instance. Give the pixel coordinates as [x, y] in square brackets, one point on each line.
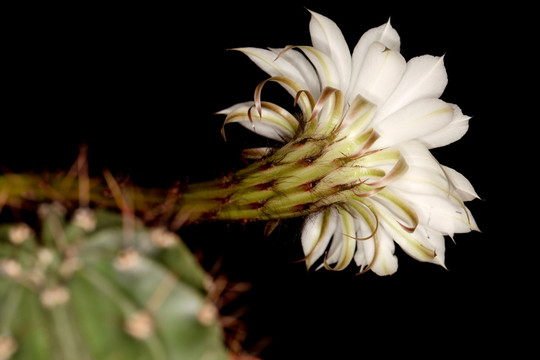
[424, 77]
[308, 78]
[304, 100]
[235, 107]
[386, 262]
[286, 65]
[316, 234]
[414, 121]
[423, 181]
[326, 36]
[445, 214]
[363, 256]
[274, 123]
[343, 245]
[380, 74]
[435, 191]
[437, 209]
[330, 109]
[462, 186]
[359, 116]
[425, 175]
[385, 34]
[435, 240]
[409, 242]
[365, 228]
[452, 132]
[269, 130]
[323, 63]
[374, 248]
[418, 155]
[265, 60]
[399, 208]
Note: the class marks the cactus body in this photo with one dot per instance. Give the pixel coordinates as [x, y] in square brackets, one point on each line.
[102, 286]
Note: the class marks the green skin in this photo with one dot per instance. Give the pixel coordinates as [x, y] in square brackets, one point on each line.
[304, 176]
[103, 292]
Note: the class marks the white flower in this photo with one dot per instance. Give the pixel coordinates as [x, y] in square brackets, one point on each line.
[374, 116]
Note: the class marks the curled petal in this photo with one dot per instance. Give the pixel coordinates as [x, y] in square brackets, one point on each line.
[328, 111]
[385, 158]
[411, 243]
[401, 211]
[386, 262]
[365, 140]
[368, 249]
[359, 116]
[343, 245]
[302, 98]
[377, 252]
[291, 66]
[366, 220]
[273, 122]
[397, 170]
[326, 95]
[316, 234]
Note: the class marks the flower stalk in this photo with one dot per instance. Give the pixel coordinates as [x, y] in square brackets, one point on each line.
[304, 176]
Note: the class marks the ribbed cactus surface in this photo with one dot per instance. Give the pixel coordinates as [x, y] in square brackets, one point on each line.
[99, 285]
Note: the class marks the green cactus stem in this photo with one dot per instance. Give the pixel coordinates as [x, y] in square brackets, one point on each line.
[95, 286]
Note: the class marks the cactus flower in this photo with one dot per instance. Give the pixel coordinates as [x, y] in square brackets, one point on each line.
[355, 158]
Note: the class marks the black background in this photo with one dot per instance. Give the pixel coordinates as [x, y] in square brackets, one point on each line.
[140, 85]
